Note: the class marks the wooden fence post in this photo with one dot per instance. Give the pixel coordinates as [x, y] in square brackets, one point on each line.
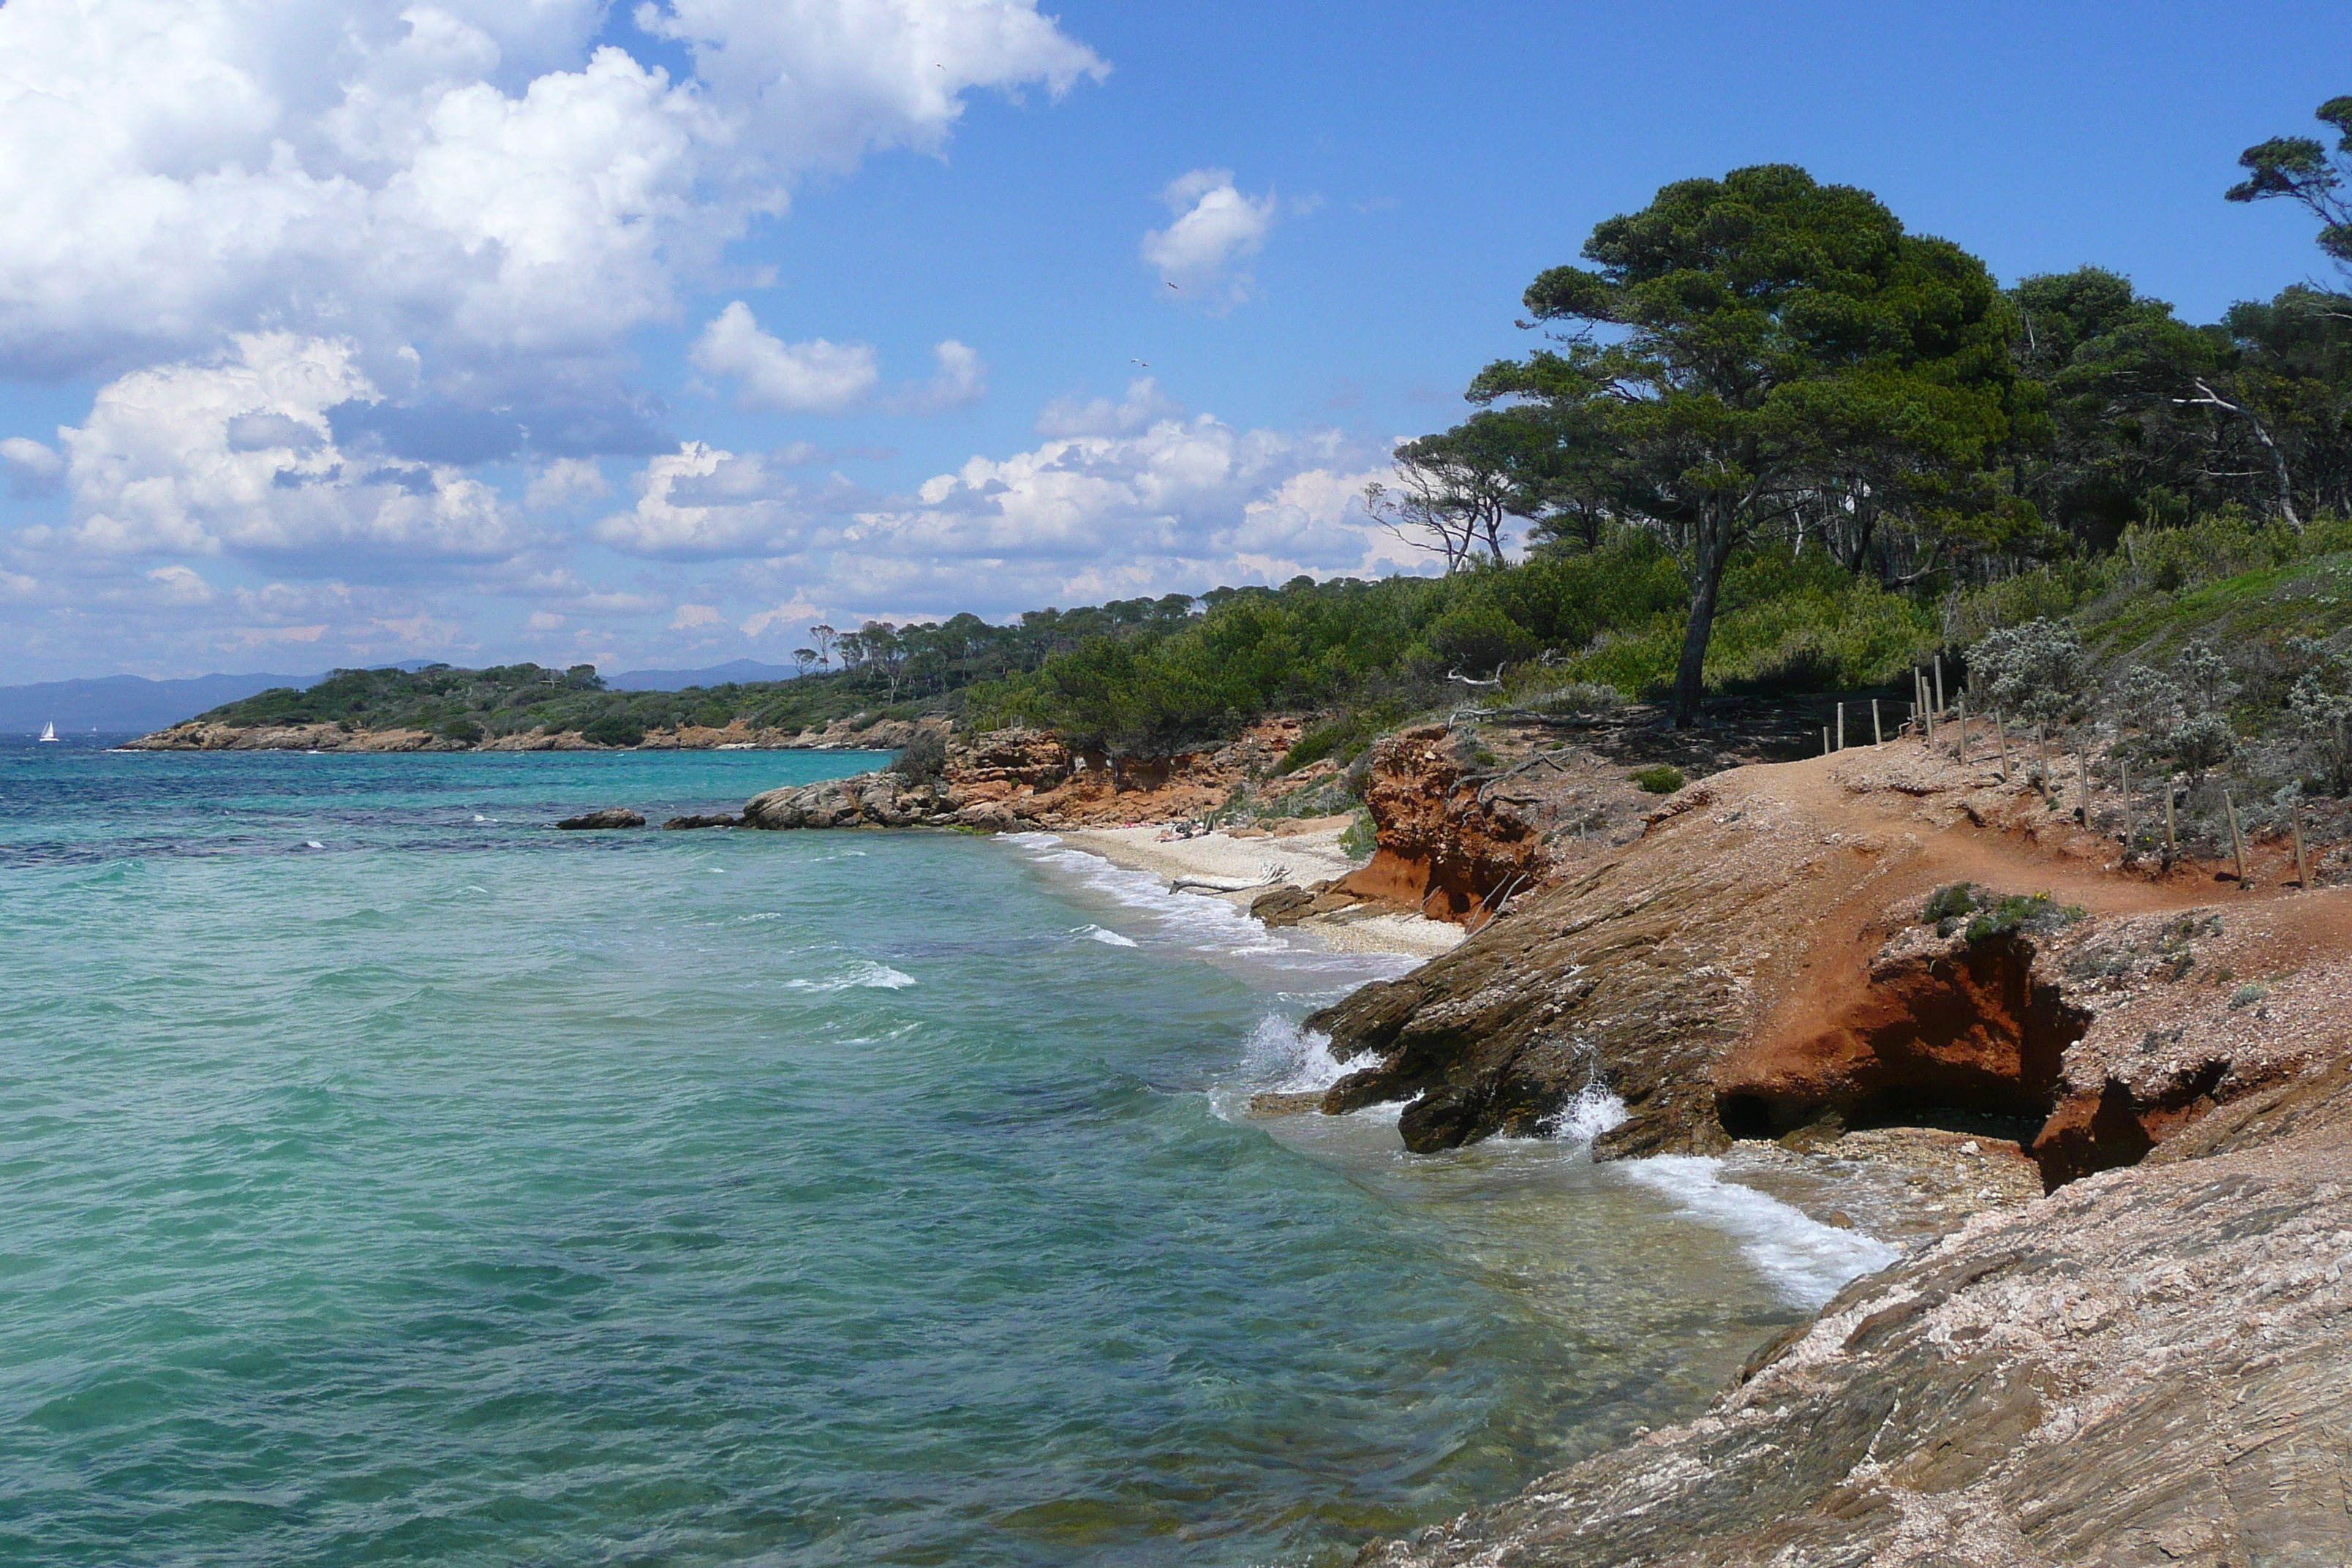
[2123, 769]
[1964, 730]
[1939, 684]
[2083, 767]
[1841, 746]
[1825, 740]
[2171, 840]
[1877, 737]
[2302, 869]
[2236, 840]
[2001, 727]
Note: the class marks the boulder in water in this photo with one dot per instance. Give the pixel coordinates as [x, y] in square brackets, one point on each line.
[719, 819]
[611, 817]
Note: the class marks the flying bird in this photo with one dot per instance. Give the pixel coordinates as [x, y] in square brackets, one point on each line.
[1144, 362]
[1172, 286]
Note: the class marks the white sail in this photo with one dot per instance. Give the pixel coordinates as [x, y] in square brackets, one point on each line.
[49, 731]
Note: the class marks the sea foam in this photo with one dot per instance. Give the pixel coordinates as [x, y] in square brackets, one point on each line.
[1805, 1262]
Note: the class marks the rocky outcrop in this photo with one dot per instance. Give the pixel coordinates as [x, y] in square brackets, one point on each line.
[609, 817]
[860, 732]
[196, 736]
[715, 819]
[1009, 780]
[1759, 962]
[868, 800]
[1449, 843]
[2149, 1367]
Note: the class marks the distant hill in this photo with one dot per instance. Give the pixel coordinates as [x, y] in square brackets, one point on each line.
[132, 705]
[739, 672]
[127, 703]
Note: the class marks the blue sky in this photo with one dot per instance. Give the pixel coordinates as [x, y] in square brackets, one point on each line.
[363, 332]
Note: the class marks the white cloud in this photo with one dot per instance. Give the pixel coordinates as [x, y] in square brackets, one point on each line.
[960, 381]
[689, 617]
[543, 621]
[181, 585]
[701, 501]
[1216, 226]
[33, 470]
[787, 618]
[237, 456]
[565, 481]
[1180, 504]
[1141, 408]
[814, 377]
[468, 177]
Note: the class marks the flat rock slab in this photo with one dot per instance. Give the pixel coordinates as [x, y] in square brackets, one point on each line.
[611, 817]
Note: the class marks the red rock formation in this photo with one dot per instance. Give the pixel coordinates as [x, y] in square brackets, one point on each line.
[1443, 848]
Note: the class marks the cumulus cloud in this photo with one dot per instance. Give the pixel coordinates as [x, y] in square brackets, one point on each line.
[33, 470]
[700, 502]
[960, 381]
[812, 377]
[469, 178]
[236, 455]
[1216, 226]
[689, 617]
[1177, 503]
[1141, 408]
[564, 483]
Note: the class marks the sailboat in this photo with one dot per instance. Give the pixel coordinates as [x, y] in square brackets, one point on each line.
[49, 730]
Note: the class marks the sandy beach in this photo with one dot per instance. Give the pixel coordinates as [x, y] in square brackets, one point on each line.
[1304, 858]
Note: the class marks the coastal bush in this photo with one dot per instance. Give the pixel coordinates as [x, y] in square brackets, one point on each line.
[922, 760]
[613, 729]
[1663, 778]
[2036, 914]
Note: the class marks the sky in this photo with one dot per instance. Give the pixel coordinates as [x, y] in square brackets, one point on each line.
[342, 331]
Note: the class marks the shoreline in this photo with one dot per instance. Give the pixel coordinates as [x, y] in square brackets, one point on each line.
[1299, 858]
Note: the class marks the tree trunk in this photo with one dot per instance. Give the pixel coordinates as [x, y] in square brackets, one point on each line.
[1706, 582]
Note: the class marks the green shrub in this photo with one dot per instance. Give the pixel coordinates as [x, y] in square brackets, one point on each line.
[1359, 840]
[1663, 779]
[1955, 902]
[2036, 914]
[614, 730]
[464, 729]
[923, 759]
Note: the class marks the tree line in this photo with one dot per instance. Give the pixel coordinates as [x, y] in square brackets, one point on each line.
[1765, 359]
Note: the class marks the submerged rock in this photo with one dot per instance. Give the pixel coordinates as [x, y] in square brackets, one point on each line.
[720, 819]
[611, 817]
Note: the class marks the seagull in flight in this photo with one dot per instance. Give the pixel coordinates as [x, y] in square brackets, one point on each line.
[1173, 286]
[1144, 362]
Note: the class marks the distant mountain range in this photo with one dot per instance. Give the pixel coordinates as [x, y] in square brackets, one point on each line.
[131, 704]
[739, 671]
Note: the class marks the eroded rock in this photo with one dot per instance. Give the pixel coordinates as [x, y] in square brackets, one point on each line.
[610, 816]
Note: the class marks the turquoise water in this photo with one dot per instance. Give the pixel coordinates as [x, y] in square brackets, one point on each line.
[389, 1178]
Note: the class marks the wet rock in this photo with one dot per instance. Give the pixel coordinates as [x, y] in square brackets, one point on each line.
[1285, 906]
[611, 817]
[2147, 1367]
[720, 819]
[1276, 1102]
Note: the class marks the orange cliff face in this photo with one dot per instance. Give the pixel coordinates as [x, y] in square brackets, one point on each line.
[1758, 965]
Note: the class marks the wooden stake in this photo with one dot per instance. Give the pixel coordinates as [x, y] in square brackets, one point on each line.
[2171, 842]
[2301, 870]
[1939, 684]
[1841, 727]
[2000, 727]
[1964, 730]
[2123, 770]
[1825, 740]
[2083, 766]
[2237, 842]
[1877, 737]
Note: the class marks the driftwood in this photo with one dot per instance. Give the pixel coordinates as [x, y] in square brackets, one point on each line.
[1268, 877]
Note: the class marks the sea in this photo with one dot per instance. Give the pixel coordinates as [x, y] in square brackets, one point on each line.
[387, 1177]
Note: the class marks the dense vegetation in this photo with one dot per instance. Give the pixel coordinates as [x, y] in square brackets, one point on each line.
[1774, 442]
